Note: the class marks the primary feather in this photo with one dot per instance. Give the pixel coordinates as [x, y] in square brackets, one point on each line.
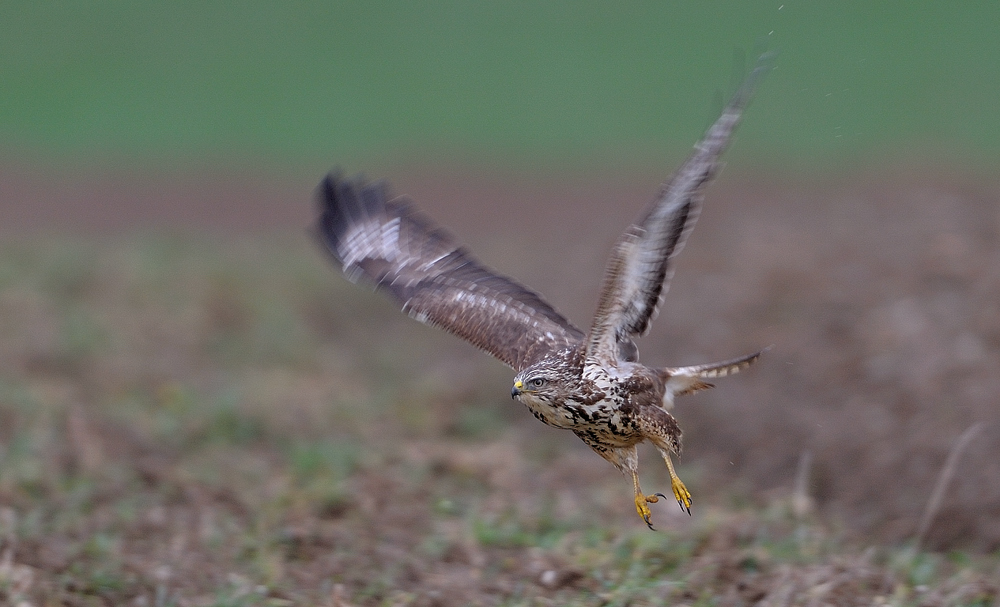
[389, 245]
[640, 267]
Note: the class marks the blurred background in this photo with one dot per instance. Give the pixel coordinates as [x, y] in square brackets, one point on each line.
[160, 294]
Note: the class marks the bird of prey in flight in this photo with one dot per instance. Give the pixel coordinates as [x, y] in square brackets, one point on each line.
[591, 383]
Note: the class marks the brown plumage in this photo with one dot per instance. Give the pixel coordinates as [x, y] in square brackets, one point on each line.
[591, 384]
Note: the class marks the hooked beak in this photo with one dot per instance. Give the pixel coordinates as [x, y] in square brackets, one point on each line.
[516, 390]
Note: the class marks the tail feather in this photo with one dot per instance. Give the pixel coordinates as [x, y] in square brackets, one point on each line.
[686, 380]
[694, 385]
[718, 369]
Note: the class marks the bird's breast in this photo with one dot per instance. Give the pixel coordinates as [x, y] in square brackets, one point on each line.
[603, 418]
[557, 415]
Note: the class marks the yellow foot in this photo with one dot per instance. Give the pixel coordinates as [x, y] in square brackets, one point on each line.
[641, 507]
[681, 493]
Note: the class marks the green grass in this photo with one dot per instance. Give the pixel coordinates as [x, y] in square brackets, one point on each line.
[323, 82]
[151, 466]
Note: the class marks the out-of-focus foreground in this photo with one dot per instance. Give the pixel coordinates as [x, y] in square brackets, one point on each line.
[221, 419]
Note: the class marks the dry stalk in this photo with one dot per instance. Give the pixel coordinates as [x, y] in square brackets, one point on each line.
[801, 501]
[947, 472]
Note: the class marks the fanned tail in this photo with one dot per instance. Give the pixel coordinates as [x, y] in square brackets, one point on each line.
[687, 380]
[719, 369]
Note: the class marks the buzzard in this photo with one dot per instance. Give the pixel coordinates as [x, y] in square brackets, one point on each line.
[591, 383]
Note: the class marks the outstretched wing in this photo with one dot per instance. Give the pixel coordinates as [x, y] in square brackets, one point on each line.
[639, 269]
[390, 245]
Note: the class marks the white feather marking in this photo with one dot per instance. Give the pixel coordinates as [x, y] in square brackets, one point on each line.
[362, 243]
[427, 265]
[390, 239]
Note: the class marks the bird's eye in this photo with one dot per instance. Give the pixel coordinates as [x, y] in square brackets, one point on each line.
[536, 382]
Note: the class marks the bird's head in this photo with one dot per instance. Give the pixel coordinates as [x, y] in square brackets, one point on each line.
[537, 384]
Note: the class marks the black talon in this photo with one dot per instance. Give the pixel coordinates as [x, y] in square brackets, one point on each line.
[661, 495]
[684, 507]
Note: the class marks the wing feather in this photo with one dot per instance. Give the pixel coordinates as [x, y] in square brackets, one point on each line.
[639, 270]
[391, 246]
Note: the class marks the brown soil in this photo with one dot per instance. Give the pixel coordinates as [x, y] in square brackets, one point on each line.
[878, 290]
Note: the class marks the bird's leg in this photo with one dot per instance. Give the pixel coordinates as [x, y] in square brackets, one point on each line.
[660, 428]
[626, 459]
[680, 491]
[641, 500]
